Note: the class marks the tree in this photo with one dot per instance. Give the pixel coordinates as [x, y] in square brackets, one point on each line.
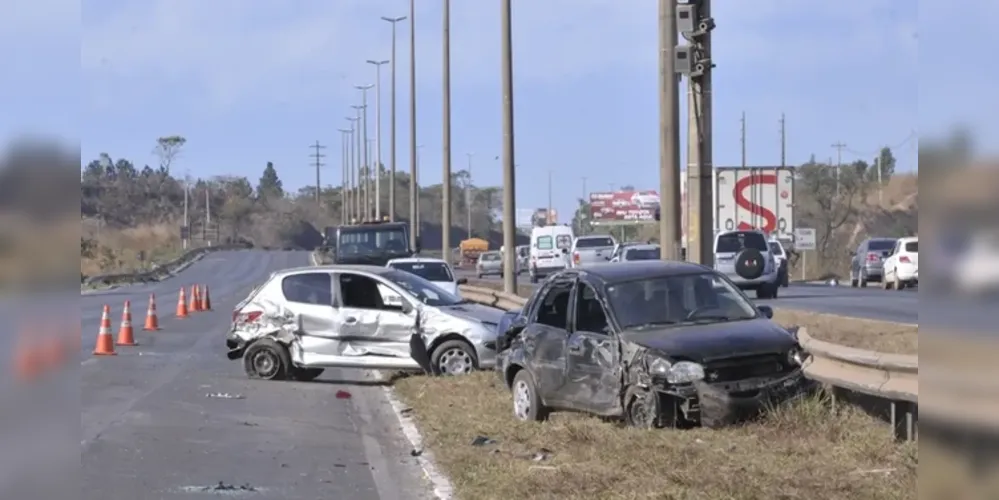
[167, 149]
[885, 163]
[270, 186]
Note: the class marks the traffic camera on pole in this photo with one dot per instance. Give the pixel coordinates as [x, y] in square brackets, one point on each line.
[692, 58]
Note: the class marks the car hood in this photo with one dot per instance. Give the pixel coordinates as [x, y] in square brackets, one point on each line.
[448, 286]
[474, 312]
[717, 340]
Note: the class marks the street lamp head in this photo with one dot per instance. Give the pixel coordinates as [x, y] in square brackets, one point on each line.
[358, 107]
[377, 63]
[364, 87]
[393, 20]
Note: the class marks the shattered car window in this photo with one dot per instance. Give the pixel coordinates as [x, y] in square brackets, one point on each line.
[590, 316]
[424, 291]
[674, 300]
[554, 309]
[431, 271]
[309, 288]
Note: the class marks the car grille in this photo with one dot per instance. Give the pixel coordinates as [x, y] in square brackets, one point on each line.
[745, 367]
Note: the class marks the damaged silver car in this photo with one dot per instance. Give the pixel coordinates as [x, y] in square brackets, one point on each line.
[654, 343]
[304, 320]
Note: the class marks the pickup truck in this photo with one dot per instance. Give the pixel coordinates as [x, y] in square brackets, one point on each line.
[594, 249]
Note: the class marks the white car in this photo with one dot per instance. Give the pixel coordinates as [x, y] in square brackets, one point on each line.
[436, 271]
[645, 200]
[976, 269]
[901, 267]
[304, 320]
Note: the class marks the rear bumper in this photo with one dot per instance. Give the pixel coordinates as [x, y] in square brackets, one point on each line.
[907, 273]
[768, 278]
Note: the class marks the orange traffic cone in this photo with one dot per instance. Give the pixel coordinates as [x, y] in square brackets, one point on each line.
[152, 321]
[105, 344]
[126, 336]
[182, 304]
[27, 361]
[193, 306]
[206, 301]
[56, 350]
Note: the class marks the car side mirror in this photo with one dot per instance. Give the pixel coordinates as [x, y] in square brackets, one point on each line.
[516, 326]
[462, 281]
[766, 311]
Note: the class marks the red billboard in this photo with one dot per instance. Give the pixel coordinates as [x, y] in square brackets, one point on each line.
[616, 207]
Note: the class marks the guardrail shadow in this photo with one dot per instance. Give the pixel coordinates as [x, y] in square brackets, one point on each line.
[902, 416]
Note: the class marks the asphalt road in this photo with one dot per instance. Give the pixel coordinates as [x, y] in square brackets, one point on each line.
[173, 418]
[871, 303]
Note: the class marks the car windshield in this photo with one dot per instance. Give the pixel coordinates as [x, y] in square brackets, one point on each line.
[374, 238]
[490, 257]
[880, 245]
[677, 300]
[738, 241]
[430, 271]
[424, 291]
[776, 249]
[594, 242]
[641, 254]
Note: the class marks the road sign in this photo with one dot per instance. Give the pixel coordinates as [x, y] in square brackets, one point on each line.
[804, 238]
[623, 207]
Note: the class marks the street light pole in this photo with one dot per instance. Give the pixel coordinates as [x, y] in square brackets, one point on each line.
[378, 137]
[670, 223]
[344, 166]
[468, 195]
[414, 223]
[366, 162]
[394, 21]
[509, 177]
[358, 155]
[446, 174]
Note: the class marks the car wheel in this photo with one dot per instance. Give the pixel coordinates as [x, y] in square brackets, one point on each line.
[266, 359]
[863, 280]
[642, 408]
[774, 291]
[454, 357]
[527, 405]
[763, 292]
[306, 374]
[899, 284]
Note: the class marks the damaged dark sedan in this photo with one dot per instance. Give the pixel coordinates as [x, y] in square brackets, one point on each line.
[655, 343]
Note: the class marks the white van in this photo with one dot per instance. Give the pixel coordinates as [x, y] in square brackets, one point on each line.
[549, 250]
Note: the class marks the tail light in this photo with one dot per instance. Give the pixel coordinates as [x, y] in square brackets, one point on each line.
[873, 257]
[250, 317]
[905, 260]
[575, 257]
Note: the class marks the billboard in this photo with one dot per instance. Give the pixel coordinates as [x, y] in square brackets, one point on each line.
[623, 207]
[755, 198]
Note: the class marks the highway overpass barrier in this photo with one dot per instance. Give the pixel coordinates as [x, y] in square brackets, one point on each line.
[159, 271]
[886, 384]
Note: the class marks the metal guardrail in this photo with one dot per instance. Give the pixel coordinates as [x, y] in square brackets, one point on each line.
[161, 271]
[846, 371]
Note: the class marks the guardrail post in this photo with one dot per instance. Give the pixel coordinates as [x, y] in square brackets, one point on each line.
[904, 417]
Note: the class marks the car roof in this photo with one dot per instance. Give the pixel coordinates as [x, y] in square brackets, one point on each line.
[737, 231]
[627, 271]
[602, 236]
[643, 246]
[379, 270]
[882, 238]
[414, 260]
[909, 238]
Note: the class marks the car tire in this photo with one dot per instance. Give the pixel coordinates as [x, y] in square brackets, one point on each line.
[454, 357]
[862, 282]
[306, 374]
[266, 359]
[763, 292]
[641, 409]
[853, 281]
[899, 284]
[527, 405]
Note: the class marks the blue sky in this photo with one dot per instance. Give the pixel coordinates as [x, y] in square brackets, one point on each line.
[251, 82]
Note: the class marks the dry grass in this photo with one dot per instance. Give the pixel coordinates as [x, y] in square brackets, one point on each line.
[800, 451]
[881, 336]
[160, 243]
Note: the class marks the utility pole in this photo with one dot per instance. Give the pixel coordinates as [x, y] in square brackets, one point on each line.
[839, 146]
[392, 153]
[742, 134]
[318, 157]
[366, 162]
[378, 136]
[446, 174]
[669, 135]
[509, 174]
[695, 23]
[468, 195]
[414, 223]
[187, 219]
[208, 207]
[355, 172]
[548, 213]
[783, 141]
[345, 166]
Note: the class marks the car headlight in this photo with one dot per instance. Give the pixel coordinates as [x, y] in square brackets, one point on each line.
[796, 357]
[676, 373]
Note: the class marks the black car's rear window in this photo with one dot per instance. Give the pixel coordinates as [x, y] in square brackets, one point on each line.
[740, 240]
[880, 244]
[594, 242]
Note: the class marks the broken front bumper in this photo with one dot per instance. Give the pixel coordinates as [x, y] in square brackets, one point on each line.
[717, 404]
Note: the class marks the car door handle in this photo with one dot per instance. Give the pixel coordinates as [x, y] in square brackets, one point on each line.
[575, 349]
[350, 320]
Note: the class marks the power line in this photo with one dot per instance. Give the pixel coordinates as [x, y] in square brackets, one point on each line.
[318, 157]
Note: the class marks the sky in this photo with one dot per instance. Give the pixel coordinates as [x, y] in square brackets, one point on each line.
[247, 82]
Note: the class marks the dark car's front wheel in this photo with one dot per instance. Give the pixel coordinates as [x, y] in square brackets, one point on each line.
[266, 359]
[527, 405]
[641, 408]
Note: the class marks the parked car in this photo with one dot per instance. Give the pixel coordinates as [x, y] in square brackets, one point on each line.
[436, 271]
[867, 262]
[489, 263]
[638, 252]
[901, 268]
[593, 249]
[745, 258]
[304, 320]
[780, 256]
[657, 343]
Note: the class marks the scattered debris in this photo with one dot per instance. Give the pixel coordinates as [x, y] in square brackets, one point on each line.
[342, 394]
[874, 471]
[406, 411]
[483, 441]
[415, 453]
[222, 488]
[224, 395]
[542, 455]
[250, 424]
